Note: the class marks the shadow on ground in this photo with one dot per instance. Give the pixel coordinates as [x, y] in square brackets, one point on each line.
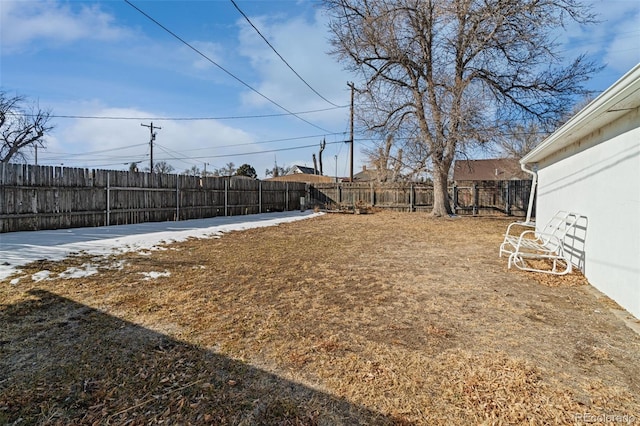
[92, 368]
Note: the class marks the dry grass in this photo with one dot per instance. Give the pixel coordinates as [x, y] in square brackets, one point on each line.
[384, 318]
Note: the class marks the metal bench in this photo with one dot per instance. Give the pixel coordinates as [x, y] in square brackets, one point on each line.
[546, 244]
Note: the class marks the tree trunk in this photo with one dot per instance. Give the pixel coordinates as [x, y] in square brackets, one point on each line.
[441, 205]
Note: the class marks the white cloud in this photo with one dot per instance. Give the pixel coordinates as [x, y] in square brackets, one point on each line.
[105, 143]
[304, 44]
[51, 22]
[613, 41]
[210, 50]
[623, 53]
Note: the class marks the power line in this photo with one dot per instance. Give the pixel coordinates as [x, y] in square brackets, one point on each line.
[119, 148]
[183, 158]
[261, 142]
[254, 152]
[172, 153]
[282, 59]
[232, 117]
[229, 73]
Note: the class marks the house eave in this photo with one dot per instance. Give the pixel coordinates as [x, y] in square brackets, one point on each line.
[616, 101]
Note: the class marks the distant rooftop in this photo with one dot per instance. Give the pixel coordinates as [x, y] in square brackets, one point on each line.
[490, 169]
[303, 169]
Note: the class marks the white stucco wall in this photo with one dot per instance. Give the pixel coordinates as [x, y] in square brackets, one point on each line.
[599, 177]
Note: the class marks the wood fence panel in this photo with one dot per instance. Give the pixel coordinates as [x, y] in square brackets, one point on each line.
[493, 197]
[51, 197]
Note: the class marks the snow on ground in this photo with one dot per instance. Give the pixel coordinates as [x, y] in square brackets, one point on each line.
[154, 274]
[20, 248]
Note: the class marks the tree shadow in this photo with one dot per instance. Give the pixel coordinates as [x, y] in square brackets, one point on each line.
[62, 362]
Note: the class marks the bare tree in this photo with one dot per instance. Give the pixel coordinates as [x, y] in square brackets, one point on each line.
[521, 139]
[449, 73]
[162, 167]
[228, 170]
[277, 170]
[193, 171]
[388, 166]
[22, 126]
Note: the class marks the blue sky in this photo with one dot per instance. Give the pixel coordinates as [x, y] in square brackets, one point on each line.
[106, 59]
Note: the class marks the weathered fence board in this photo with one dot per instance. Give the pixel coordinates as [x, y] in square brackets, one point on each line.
[506, 197]
[45, 197]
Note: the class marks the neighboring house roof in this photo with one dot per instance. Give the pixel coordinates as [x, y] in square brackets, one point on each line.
[303, 170]
[369, 175]
[617, 100]
[490, 169]
[366, 175]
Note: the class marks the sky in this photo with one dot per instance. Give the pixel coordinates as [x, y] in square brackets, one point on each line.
[20, 248]
[216, 91]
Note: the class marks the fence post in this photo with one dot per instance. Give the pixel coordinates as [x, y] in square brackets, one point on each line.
[226, 195]
[411, 198]
[177, 197]
[108, 198]
[260, 197]
[455, 199]
[508, 199]
[373, 195]
[475, 199]
[286, 195]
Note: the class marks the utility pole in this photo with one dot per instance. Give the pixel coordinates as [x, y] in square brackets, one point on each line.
[151, 139]
[323, 144]
[36, 154]
[351, 135]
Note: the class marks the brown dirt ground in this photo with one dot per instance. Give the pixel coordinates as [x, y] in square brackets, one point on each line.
[385, 318]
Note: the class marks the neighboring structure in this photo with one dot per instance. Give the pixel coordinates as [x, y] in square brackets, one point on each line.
[303, 170]
[303, 177]
[466, 172]
[303, 174]
[591, 166]
[373, 174]
[366, 175]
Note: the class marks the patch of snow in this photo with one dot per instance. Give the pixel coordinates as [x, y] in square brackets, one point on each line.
[153, 275]
[41, 275]
[84, 271]
[21, 248]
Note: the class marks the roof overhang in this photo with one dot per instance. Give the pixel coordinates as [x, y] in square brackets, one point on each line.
[616, 101]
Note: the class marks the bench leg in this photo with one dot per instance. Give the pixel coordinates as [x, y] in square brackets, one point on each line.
[520, 263]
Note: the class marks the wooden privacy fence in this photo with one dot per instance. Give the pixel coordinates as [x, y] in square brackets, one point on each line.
[504, 197]
[46, 197]
[402, 196]
[510, 197]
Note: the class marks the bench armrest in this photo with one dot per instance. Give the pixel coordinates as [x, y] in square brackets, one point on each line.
[522, 224]
[544, 239]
